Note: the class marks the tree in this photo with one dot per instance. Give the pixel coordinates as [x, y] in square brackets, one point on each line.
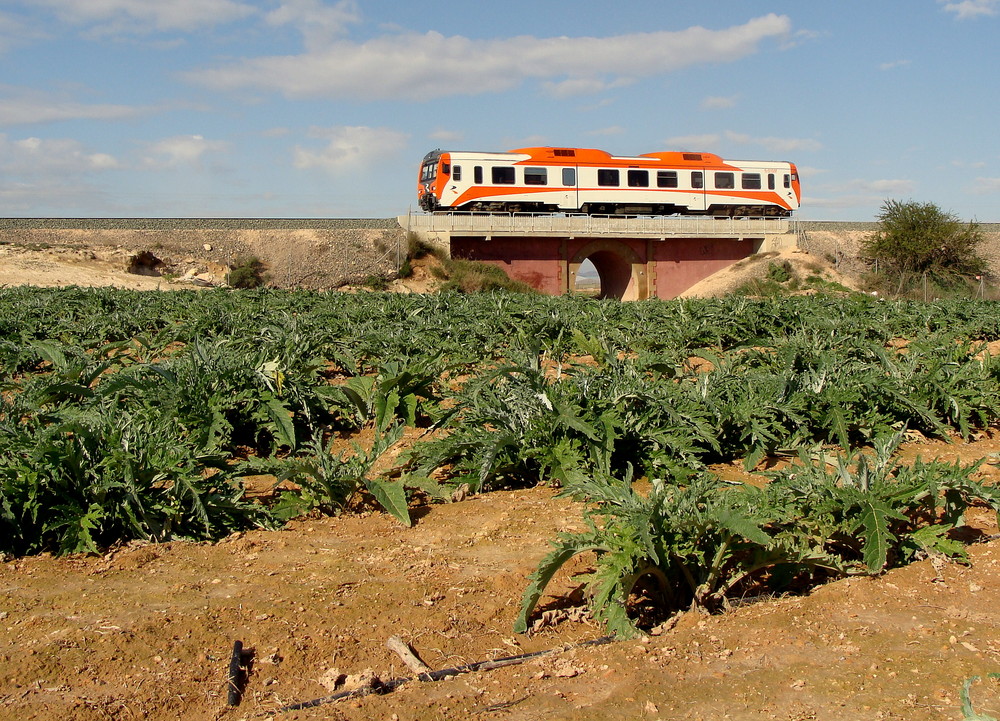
[915, 238]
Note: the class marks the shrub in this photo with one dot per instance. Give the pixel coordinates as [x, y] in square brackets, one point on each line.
[416, 247]
[406, 269]
[779, 272]
[248, 272]
[913, 239]
[470, 276]
[376, 282]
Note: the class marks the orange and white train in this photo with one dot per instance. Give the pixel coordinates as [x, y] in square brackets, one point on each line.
[584, 180]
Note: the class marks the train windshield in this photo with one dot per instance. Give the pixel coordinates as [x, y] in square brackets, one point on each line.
[428, 172]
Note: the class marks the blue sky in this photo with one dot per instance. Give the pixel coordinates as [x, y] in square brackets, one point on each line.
[324, 108]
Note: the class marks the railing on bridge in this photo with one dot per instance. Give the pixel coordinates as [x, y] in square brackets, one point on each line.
[660, 226]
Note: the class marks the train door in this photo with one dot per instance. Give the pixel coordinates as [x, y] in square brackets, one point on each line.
[697, 199]
[571, 193]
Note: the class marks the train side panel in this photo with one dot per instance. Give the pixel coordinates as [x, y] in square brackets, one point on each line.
[592, 181]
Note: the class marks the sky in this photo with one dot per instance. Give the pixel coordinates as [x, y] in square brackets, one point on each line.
[324, 108]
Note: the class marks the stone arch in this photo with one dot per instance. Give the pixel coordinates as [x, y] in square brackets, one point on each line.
[621, 270]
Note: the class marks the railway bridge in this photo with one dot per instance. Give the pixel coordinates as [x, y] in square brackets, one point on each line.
[635, 257]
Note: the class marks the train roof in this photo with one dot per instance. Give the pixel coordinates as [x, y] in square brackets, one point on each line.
[552, 155]
[592, 156]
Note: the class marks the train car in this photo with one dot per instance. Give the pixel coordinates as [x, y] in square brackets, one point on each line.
[585, 180]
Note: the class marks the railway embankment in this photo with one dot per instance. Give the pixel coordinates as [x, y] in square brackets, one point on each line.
[305, 253]
[840, 242]
[328, 253]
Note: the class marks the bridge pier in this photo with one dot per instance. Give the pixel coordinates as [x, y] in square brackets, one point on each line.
[636, 258]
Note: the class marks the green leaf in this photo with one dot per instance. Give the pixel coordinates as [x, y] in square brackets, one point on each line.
[968, 713]
[563, 550]
[391, 496]
[934, 538]
[52, 352]
[740, 525]
[878, 538]
[385, 408]
[284, 430]
[755, 456]
[432, 487]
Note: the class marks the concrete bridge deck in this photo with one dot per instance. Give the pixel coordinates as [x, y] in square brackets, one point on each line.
[609, 226]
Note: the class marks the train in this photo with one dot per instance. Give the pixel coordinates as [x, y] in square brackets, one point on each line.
[594, 182]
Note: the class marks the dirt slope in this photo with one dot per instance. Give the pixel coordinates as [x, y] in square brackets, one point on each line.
[63, 266]
[800, 264]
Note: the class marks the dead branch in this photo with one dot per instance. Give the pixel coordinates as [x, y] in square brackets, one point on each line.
[439, 675]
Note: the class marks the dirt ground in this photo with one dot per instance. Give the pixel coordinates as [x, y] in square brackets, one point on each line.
[147, 631]
[70, 265]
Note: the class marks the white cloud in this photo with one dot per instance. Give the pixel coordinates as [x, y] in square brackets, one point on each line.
[693, 142]
[349, 147]
[986, 186]
[421, 67]
[776, 145]
[14, 32]
[276, 132]
[711, 142]
[181, 151]
[894, 64]
[525, 141]
[112, 16]
[582, 86]
[883, 187]
[611, 130]
[447, 136]
[319, 24]
[966, 9]
[719, 102]
[20, 106]
[800, 37]
[839, 202]
[975, 164]
[31, 157]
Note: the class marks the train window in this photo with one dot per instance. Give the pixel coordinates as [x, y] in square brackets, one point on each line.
[569, 177]
[751, 181]
[445, 168]
[638, 178]
[503, 175]
[535, 176]
[770, 181]
[666, 178]
[429, 172]
[788, 180]
[456, 172]
[477, 174]
[564, 152]
[697, 179]
[725, 181]
[608, 177]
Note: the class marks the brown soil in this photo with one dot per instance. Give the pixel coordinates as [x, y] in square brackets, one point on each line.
[69, 265]
[146, 631]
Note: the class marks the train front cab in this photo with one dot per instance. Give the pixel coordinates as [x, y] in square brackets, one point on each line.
[433, 170]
